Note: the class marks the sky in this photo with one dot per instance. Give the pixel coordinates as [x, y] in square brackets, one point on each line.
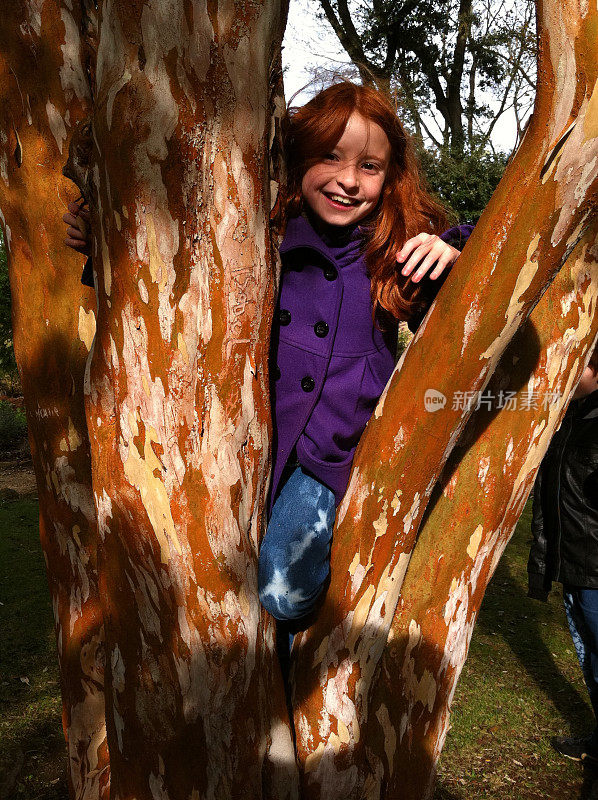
[309, 40]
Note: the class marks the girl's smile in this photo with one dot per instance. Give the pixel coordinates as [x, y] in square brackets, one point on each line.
[345, 186]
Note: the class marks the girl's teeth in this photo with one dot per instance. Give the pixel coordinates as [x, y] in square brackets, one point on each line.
[342, 200]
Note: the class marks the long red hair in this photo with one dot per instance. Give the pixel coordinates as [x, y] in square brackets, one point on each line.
[405, 208]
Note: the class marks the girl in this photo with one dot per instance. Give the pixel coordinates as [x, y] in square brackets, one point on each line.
[353, 207]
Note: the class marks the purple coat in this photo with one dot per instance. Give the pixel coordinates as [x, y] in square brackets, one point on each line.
[329, 363]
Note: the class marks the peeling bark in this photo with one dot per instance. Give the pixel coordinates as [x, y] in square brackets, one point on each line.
[44, 95]
[534, 221]
[178, 404]
[184, 93]
[470, 519]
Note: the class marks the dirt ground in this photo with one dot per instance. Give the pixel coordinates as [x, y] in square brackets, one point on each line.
[16, 475]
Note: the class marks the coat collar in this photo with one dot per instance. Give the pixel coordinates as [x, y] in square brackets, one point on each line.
[339, 250]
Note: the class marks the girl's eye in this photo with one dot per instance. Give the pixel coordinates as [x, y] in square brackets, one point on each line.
[369, 167]
[329, 157]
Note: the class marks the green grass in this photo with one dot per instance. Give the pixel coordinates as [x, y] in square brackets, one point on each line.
[32, 750]
[520, 685]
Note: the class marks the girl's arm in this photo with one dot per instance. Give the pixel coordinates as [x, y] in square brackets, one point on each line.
[448, 245]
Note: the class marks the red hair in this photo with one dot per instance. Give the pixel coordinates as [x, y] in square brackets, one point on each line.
[405, 208]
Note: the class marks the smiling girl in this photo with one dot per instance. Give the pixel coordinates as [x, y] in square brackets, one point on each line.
[354, 212]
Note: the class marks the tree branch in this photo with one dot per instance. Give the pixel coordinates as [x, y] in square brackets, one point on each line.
[507, 91]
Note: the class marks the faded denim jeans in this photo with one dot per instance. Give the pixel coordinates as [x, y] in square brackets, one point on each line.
[581, 608]
[294, 560]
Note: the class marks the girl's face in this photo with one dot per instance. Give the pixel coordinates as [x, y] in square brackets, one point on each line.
[344, 187]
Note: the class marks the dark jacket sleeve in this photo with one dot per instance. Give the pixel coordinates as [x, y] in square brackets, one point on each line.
[87, 275]
[538, 585]
[457, 238]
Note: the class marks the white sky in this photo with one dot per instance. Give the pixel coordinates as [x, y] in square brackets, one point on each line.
[311, 41]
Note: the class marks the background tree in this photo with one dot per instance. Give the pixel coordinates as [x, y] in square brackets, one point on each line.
[455, 69]
[442, 59]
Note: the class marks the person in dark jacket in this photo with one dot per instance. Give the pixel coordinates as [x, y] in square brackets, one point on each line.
[565, 538]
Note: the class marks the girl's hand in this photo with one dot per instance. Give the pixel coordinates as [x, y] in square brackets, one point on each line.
[427, 249]
[77, 233]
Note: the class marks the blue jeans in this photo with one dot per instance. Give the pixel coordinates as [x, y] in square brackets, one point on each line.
[294, 561]
[581, 608]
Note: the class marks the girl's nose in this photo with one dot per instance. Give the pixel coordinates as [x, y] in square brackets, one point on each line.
[348, 177]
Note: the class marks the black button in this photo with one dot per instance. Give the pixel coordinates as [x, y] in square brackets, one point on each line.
[321, 329]
[284, 316]
[330, 273]
[277, 373]
[308, 384]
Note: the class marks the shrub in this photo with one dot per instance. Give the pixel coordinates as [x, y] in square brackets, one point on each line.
[13, 427]
[7, 358]
[465, 185]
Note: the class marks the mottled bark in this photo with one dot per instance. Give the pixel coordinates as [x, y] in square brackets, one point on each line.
[43, 98]
[471, 517]
[177, 407]
[178, 411]
[536, 217]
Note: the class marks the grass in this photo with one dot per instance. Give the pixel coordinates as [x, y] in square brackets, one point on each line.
[520, 685]
[32, 750]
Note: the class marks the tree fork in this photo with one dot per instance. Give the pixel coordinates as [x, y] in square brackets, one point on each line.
[43, 95]
[534, 220]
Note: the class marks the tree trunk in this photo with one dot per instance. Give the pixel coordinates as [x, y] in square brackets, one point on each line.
[455, 78]
[536, 217]
[470, 519]
[179, 413]
[43, 97]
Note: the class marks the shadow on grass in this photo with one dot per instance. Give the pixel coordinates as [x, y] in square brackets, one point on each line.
[34, 766]
[589, 789]
[525, 626]
[522, 632]
[440, 793]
